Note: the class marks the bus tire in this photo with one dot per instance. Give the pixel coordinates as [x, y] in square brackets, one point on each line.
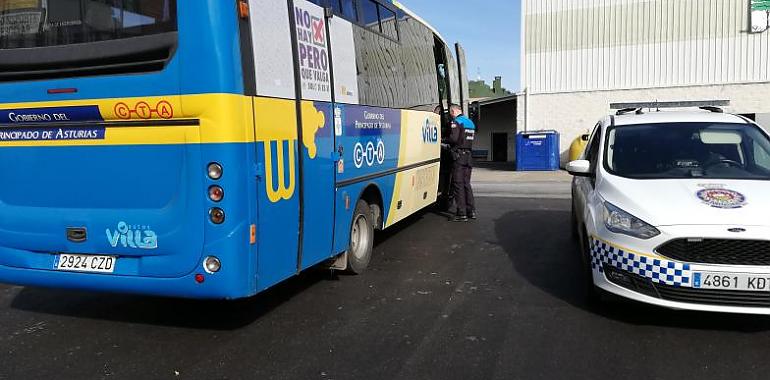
[361, 239]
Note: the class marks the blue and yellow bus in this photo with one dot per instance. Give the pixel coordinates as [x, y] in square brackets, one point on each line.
[211, 148]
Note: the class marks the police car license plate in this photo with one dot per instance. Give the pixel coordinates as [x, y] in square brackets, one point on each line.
[732, 281]
[86, 263]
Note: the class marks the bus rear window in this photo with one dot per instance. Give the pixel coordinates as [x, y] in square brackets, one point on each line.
[45, 23]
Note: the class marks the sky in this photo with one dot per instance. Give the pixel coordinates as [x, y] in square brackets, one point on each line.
[489, 30]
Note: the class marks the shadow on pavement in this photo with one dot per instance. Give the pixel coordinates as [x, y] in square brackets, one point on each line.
[197, 314]
[541, 249]
[383, 236]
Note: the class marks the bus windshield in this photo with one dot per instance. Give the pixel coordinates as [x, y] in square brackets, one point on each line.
[44, 23]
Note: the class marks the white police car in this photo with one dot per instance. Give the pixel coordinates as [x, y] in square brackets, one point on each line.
[672, 208]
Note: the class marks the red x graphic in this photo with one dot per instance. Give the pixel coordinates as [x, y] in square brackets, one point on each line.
[318, 31]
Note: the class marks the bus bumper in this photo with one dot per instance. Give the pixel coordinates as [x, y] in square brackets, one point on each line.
[214, 286]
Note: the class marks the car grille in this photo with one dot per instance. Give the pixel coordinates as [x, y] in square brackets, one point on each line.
[718, 251]
[714, 297]
[639, 284]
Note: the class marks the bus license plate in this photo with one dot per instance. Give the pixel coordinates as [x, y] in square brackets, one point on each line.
[732, 281]
[86, 263]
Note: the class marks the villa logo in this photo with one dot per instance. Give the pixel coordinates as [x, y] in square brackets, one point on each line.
[429, 132]
[141, 237]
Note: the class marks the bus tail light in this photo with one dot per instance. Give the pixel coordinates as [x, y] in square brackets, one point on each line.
[216, 193]
[215, 171]
[217, 215]
[212, 265]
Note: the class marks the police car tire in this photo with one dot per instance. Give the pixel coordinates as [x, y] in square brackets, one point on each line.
[574, 225]
[359, 260]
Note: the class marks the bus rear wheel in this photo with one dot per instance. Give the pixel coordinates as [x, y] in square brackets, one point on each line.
[361, 239]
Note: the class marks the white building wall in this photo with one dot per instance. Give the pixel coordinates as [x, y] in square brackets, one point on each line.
[574, 113]
[582, 55]
[578, 45]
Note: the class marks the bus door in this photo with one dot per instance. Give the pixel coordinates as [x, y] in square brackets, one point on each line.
[444, 87]
[318, 156]
[294, 137]
[462, 73]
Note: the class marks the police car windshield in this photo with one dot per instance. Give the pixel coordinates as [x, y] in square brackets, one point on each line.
[39, 23]
[688, 150]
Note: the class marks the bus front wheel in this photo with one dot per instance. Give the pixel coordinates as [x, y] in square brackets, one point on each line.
[361, 239]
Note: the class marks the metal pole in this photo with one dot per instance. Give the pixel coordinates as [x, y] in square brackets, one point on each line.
[523, 61]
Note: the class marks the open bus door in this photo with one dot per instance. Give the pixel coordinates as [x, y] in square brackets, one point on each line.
[445, 100]
[462, 74]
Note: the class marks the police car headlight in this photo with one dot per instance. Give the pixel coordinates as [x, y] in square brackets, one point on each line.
[621, 222]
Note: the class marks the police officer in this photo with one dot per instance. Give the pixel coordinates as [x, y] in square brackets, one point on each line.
[460, 141]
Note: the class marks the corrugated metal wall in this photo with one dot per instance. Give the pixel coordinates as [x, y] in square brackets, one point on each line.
[583, 45]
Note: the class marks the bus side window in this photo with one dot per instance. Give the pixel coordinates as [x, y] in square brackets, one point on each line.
[371, 16]
[336, 6]
[388, 22]
[390, 73]
[349, 10]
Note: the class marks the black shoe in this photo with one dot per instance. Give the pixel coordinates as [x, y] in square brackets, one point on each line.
[460, 218]
[472, 215]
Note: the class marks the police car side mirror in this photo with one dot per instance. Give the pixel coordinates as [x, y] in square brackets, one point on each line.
[580, 168]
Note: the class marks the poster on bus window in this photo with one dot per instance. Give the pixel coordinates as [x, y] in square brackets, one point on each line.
[313, 51]
[19, 17]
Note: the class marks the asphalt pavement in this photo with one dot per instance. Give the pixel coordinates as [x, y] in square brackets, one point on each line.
[498, 298]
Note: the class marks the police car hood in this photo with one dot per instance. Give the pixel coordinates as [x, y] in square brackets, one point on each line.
[669, 202]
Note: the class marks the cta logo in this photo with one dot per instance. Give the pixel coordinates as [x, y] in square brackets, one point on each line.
[372, 154]
[429, 132]
[142, 110]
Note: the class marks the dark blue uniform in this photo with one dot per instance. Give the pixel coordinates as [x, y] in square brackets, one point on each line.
[460, 140]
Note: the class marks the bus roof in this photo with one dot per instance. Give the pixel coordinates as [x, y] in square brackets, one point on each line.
[420, 19]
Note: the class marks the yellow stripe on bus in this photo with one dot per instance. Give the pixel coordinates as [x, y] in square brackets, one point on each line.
[224, 118]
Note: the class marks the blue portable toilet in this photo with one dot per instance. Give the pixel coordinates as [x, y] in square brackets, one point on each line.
[537, 151]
